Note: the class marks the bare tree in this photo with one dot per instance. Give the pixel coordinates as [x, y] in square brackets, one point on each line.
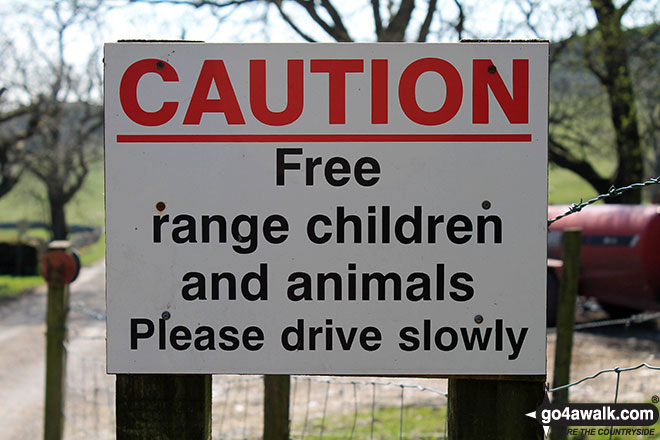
[15, 127]
[579, 141]
[65, 137]
[389, 20]
[594, 106]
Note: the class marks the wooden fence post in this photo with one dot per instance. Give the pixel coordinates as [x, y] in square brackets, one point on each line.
[566, 320]
[494, 409]
[59, 268]
[56, 316]
[276, 406]
[161, 406]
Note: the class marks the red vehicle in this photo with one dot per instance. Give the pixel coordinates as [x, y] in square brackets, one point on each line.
[620, 256]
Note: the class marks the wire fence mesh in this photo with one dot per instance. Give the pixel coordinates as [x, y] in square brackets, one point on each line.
[320, 407]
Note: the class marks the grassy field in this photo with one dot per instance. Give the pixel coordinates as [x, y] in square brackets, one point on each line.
[565, 187]
[11, 286]
[27, 201]
[419, 422]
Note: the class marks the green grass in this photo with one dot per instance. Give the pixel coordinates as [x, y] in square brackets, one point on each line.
[10, 286]
[566, 187]
[11, 235]
[27, 201]
[419, 422]
[94, 252]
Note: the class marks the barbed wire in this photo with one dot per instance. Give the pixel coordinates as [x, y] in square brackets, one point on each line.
[613, 192]
[616, 370]
[373, 383]
[634, 319]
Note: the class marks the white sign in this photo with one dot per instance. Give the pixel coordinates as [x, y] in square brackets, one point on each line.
[326, 208]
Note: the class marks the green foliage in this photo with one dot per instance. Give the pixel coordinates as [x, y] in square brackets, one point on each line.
[595, 86]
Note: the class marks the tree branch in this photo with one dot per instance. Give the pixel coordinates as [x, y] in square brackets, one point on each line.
[561, 156]
[396, 30]
[197, 3]
[624, 8]
[378, 21]
[292, 24]
[426, 25]
[588, 57]
[460, 20]
[333, 31]
[336, 18]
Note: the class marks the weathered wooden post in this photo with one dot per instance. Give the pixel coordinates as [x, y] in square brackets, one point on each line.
[494, 408]
[59, 267]
[160, 406]
[566, 320]
[276, 406]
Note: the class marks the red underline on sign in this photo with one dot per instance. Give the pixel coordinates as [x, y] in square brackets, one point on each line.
[268, 138]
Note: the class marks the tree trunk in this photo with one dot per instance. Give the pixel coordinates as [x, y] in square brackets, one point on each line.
[618, 82]
[58, 227]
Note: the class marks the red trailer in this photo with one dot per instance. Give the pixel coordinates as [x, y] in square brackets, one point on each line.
[620, 256]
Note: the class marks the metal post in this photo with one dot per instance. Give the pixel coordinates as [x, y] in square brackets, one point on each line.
[566, 320]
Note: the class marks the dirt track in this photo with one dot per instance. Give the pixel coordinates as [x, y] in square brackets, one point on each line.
[90, 396]
[22, 344]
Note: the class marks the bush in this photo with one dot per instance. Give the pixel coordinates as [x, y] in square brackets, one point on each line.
[18, 259]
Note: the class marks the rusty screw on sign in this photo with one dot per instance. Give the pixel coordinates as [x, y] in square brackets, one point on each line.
[486, 204]
[492, 69]
[160, 206]
[478, 319]
[160, 65]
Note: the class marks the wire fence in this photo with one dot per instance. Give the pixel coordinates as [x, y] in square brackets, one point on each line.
[320, 407]
[626, 322]
[613, 192]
